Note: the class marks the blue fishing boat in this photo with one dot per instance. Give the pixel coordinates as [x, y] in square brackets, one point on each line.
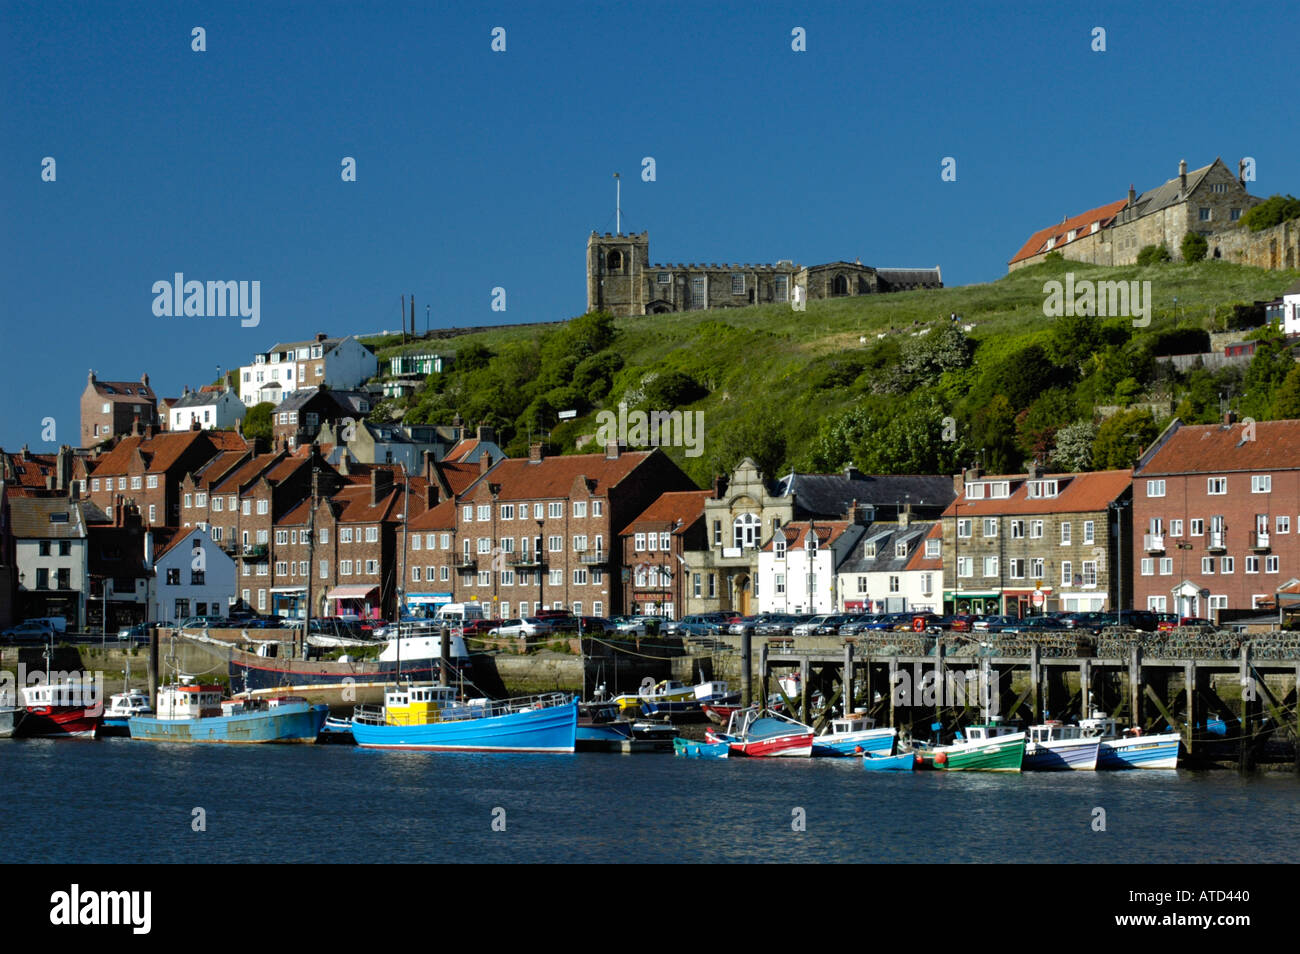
[691, 749]
[1055, 747]
[431, 718]
[855, 734]
[1130, 749]
[902, 762]
[595, 736]
[190, 712]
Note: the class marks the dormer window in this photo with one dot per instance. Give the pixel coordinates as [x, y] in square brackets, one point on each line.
[810, 542]
[778, 545]
[1044, 488]
[975, 491]
[900, 549]
[1072, 234]
[1051, 242]
[1000, 488]
[869, 550]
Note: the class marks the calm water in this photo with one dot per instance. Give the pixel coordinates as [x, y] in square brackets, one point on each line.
[119, 801]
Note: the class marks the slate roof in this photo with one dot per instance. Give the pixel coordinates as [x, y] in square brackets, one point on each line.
[831, 495]
[886, 535]
[198, 399]
[910, 276]
[29, 518]
[919, 560]
[1103, 215]
[1170, 193]
[1221, 449]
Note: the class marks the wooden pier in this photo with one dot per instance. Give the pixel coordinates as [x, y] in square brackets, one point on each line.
[914, 681]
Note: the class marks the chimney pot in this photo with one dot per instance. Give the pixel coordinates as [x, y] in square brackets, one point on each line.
[534, 453]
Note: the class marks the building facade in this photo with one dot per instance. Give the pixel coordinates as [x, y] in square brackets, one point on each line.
[113, 408]
[339, 363]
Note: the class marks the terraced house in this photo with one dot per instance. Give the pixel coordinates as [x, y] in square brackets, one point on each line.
[1217, 511]
[798, 567]
[894, 567]
[660, 580]
[1022, 544]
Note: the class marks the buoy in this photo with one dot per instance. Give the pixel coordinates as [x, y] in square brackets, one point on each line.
[941, 758]
[857, 750]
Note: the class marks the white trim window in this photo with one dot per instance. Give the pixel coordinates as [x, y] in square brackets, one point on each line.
[1065, 534]
[1216, 486]
[1155, 488]
[1261, 483]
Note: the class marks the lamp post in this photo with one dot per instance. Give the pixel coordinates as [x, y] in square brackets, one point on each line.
[1119, 506]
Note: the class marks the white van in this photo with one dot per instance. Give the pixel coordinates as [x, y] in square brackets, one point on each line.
[459, 612]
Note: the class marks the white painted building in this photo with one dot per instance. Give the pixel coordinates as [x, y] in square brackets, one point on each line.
[797, 568]
[193, 576]
[52, 555]
[206, 410]
[1291, 310]
[894, 568]
[339, 363]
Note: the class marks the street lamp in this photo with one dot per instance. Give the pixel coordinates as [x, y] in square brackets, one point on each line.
[1119, 507]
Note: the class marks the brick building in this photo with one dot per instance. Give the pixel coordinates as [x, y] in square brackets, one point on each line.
[1023, 544]
[113, 408]
[659, 580]
[1217, 511]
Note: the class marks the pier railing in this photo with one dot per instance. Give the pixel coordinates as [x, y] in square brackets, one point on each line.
[1112, 643]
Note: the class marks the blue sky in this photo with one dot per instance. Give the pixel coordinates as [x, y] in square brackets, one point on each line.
[478, 169]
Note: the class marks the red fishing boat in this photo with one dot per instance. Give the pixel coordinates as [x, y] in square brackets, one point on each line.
[69, 709]
[762, 733]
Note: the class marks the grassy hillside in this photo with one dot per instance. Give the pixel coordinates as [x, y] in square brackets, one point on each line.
[850, 380]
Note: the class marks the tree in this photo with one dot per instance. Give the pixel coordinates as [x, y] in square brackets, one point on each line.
[1074, 338]
[1121, 439]
[1268, 368]
[1194, 247]
[1270, 212]
[751, 437]
[258, 421]
[1286, 399]
[1073, 450]
[946, 349]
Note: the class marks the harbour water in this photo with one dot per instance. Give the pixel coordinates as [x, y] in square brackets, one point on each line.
[117, 801]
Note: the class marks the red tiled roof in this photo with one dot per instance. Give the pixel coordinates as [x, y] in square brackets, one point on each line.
[160, 451]
[355, 506]
[216, 468]
[1103, 215]
[795, 532]
[242, 475]
[460, 449]
[919, 561]
[440, 516]
[33, 471]
[684, 505]
[1219, 448]
[1079, 493]
[553, 477]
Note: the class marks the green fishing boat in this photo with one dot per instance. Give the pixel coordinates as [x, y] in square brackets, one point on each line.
[990, 747]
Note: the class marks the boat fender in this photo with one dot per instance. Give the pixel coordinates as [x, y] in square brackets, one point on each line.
[857, 750]
[941, 758]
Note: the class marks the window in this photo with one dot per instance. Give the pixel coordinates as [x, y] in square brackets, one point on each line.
[652, 542]
[975, 491]
[263, 506]
[1089, 531]
[1234, 214]
[963, 529]
[324, 569]
[1156, 604]
[537, 511]
[1017, 529]
[1166, 566]
[965, 566]
[1283, 524]
[136, 483]
[345, 534]
[555, 508]
[1207, 565]
[1175, 528]
[1089, 572]
[372, 534]
[737, 284]
[1216, 486]
[467, 513]
[345, 568]
[580, 508]
[597, 510]
[1016, 569]
[1261, 483]
[1271, 564]
[445, 541]
[189, 500]
[484, 577]
[638, 542]
[444, 573]
[1036, 568]
[579, 577]
[1043, 488]
[1067, 573]
[1204, 213]
[485, 512]
[415, 574]
[507, 511]
[153, 513]
[745, 531]
[1148, 566]
[217, 503]
[990, 526]
[1065, 533]
[895, 585]
[415, 542]
[932, 548]
[94, 485]
[1196, 526]
[484, 545]
[1227, 565]
[174, 577]
[862, 584]
[580, 544]
[152, 482]
[555, 544]
[121, 484]
[990, 566]
[778, 547]
[1035, 529]
[695, 584]
[1155, 488]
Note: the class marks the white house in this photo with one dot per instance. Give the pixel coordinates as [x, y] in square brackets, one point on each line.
[1291, 310]
[193, 576]
[339, 363]
[206, 410]
[52, 555]
[894, 568]
[797, 568]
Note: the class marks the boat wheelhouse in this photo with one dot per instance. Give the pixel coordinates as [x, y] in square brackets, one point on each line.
[121, 707]
[855, 734]
[72, 708]
[188, 711]
[1129, 748]
[984, 747]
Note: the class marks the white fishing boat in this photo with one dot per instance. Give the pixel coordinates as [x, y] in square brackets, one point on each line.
[1054, 746]
[1130, 748]
[855, 734]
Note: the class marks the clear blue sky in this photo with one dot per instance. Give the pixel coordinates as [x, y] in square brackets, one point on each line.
[478, 169]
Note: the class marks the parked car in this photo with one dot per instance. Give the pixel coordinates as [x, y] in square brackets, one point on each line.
[856, 624]
[1144, 620]
[593, 625]
[746, 624]
[136, 632]
[526, 626]
[957, 622]
[809, 625]
[832, 625]
[1181, 622]
[29, 631]
[1037, 624]
[994, 624]
[204, 622]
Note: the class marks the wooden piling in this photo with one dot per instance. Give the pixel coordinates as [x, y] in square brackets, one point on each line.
[746, 664]
[1193, 715]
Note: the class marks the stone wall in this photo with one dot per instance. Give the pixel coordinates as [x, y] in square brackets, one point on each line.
[1277, 247]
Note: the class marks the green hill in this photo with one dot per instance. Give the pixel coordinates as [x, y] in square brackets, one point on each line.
[887, 382]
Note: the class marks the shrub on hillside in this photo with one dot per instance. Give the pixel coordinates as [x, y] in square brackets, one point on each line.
[1153, 255]
[1271, 211]
[1194, 247]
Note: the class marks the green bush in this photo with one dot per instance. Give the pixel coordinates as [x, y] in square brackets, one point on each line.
[1271, 211]
[1194, 247]
[1153, 255]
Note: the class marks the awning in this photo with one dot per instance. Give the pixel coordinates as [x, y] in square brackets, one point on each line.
[352, 591]
[288, 589]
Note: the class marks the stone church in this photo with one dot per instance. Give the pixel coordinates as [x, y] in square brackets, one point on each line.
[622, 281]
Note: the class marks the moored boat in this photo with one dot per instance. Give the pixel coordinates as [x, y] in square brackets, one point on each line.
[1054, 746]
[431, 718]
[764, 734]
[190, 712]
[121, 707]
[1130, 749]
[667, 690]
[988, 747]
[902, 762]
[10, 718]
[68, 709]
[691, 749]
[855, 734]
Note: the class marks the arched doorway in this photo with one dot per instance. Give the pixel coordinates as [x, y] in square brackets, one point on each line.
[840, 285]
[742, 595]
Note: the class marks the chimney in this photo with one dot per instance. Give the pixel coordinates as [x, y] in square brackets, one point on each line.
[49, 481]
[535, 453]
[719, 486]
[63, 467]
[430, 495]
[974, 473]
[487, 433]
[851, 472]
[1229, 418]
[1182, 176]
[905, 516]
[381, 482]
[1033, 469]
[321, 336]
[484, 463]
[612, 450]
[144, 379]
[1132, 195]
[25, 454]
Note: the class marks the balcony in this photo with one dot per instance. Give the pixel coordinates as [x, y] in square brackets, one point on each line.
[255, 552]
[592, 557]
[1259, 540]
[464, 560]
[524, 559]
[1153, 542]
[1214, 541]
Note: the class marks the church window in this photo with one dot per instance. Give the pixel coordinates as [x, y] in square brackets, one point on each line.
[840, 286]
[615, 261]
[737, 284]
[665, 278]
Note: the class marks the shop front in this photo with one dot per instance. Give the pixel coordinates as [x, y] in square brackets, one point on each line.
[425, 605]
[978, 603]
[289, 602]
[354, 599]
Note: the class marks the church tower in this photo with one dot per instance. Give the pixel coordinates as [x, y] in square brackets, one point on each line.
[616, 268]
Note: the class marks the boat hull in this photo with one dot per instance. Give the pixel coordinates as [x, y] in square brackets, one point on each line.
[550, 729]
[11, 718]
[1141, 752]
[903, 762]
[870, 741]
[1003, 754]
[290, 722]
[1079, 755]
[58, 722]
[690, 749]
[796, 745]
